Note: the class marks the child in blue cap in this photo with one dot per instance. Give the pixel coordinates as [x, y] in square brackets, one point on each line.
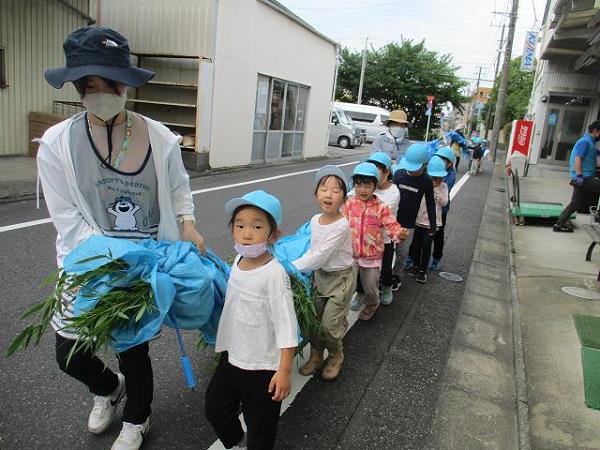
[334, 274]
[257, 334]
[421, 245]
[447, 154]
[368, 217]
[414, 184]
[389, 194]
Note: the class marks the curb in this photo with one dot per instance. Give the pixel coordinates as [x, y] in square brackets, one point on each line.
[520, 374]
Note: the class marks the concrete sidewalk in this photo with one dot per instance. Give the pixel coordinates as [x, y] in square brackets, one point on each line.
[514, 377]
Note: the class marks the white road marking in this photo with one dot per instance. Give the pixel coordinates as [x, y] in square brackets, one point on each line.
[460, 183]
[33, 223]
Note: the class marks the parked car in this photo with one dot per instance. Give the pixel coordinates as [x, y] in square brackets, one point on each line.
[342, 130]
[371, 118]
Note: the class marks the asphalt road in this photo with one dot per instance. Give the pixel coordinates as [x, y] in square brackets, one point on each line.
[385, 397]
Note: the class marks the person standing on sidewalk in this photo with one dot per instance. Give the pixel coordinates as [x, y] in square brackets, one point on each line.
[88, 166]
[334, 274]
[583, 175]
[393, 141]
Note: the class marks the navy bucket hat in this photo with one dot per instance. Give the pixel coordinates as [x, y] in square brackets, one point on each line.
[97, 51]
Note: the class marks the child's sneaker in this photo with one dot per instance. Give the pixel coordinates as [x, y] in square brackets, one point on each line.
[387, 296]
[103, 412]
[131, 436]
[368, 312]
[356, 303]
[396, 283]
[434, 264]
[421, 277]
[408, 263]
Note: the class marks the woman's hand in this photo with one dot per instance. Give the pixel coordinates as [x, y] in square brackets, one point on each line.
[190, 234]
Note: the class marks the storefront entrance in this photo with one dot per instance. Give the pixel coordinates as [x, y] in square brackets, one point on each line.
[565, 123]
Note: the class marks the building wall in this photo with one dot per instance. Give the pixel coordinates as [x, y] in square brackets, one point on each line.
[253, 38]
[558, 78]
[32, 33]
[176, 27]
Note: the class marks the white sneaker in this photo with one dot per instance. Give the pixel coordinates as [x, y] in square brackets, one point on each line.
[104, 408]
[131, 436]
[356, 302]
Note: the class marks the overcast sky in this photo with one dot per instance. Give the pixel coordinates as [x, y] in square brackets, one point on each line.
[466, 29]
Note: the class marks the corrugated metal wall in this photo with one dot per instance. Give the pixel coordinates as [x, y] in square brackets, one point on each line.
[174, 27]
[32, 33]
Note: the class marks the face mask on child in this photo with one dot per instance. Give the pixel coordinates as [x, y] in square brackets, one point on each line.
[397, 131]
[252, 250]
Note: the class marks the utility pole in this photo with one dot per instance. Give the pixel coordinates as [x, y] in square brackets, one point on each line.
[362, 72]
[488, 122]
[473, 104]
[500, 104]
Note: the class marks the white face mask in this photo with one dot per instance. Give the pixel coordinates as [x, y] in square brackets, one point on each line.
[252, 250]
[397, 131]
[104, 105]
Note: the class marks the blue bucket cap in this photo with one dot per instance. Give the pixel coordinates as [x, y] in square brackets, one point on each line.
[381, 158]
[416, 156]
[476, 140]
[328, 170]
[366, 169]
[436, 167]
[259, 199]
[446, 152]
[395, 168]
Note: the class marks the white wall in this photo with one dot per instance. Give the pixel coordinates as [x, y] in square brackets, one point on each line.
[253, 38]
[558, 78]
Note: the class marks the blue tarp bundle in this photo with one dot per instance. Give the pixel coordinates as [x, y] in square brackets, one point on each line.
[183, 281]
[460, 140]
[291, 247]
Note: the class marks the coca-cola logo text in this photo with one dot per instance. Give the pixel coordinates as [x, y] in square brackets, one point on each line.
[522, 137]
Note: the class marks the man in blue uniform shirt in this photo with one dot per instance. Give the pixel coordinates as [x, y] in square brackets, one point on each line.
[583, 174]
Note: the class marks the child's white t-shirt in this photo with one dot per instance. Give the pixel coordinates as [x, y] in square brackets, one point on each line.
[330, 247]
[258, 318]
[391, 197]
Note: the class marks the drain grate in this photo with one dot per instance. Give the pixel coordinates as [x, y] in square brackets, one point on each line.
[500, 190]
[581, 293]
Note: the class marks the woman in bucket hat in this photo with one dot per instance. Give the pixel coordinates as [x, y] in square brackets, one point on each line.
[114, 172]
[394, 140]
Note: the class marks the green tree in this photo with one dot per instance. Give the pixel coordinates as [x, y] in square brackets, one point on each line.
[401, 75]
[518, 91]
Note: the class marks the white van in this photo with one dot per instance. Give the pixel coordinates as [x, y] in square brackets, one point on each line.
[342, 131]
[370, 118]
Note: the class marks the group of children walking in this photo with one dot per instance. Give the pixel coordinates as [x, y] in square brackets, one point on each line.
[353, 241]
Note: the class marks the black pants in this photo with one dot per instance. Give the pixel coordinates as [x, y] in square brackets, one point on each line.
[438, 239]
[590, 184]
[422, 248]
[231, 386]
[134, 364]
[386, 264]
[457, 163]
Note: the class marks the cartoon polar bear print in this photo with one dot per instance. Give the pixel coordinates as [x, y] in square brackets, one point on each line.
[124, 210]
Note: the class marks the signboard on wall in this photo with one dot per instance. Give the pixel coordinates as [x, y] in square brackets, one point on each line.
[520, 137]
[528, 58]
